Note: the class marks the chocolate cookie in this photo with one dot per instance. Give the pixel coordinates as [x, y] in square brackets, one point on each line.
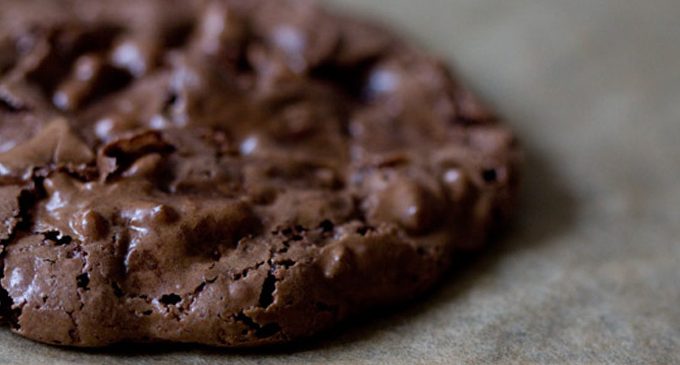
[230, 172]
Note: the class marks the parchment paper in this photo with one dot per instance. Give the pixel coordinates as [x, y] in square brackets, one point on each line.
[590, 273]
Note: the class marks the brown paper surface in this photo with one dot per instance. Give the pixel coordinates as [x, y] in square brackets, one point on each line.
[591, 271]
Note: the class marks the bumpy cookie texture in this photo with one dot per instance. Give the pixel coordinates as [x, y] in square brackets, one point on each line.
[231, 172]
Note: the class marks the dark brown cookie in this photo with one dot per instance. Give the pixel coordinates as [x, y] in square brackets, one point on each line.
[231, 172]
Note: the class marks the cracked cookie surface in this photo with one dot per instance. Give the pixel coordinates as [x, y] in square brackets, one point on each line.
[228, 172]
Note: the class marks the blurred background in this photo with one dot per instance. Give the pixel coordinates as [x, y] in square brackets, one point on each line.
[590, 271]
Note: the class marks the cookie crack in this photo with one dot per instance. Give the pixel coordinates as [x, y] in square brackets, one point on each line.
[268, 287]
[199, 289]
[247, 270]
[191, 298]
[73, 333]
[260, 331]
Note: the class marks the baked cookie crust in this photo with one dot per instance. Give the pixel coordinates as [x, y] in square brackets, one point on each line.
[231, 173]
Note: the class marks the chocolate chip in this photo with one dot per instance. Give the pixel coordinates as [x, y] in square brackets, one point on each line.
[117, 155]
[93, 225]
[409, 203]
